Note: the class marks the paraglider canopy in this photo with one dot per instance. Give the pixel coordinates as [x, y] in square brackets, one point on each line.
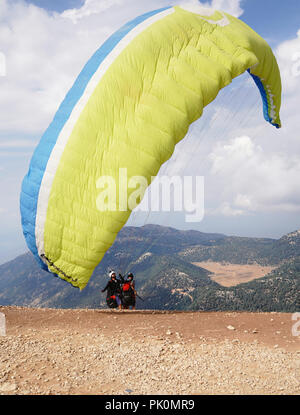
[132, 103]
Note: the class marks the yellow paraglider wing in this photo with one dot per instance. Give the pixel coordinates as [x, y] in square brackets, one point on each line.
[133, 101]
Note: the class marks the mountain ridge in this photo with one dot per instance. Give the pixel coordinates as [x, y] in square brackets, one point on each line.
[161, 258]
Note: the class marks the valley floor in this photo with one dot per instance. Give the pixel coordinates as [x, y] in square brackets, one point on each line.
[49, 351]
[229, 275]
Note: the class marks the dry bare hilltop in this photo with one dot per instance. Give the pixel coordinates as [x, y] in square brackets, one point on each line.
[91, 351]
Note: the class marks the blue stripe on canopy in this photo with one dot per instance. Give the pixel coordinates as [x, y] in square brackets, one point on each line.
[32, 181]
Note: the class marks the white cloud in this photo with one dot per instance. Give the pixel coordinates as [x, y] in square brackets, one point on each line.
[252, 179]
[45, 52]
[16, 143]
[90, 7]
[255, 168]
[15, 154]
[288, 55]
[230, 6]
[225, 209]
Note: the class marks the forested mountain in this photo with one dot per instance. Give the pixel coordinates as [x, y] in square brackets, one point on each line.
[161, 259]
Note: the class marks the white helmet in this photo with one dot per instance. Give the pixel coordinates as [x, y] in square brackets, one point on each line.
[111, 273]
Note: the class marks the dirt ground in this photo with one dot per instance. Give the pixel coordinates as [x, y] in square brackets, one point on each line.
[49, 351]
[229, 275]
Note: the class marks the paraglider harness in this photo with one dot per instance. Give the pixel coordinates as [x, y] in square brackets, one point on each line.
[112, 292]
[128, 291]
[128, 294]
[111, 301]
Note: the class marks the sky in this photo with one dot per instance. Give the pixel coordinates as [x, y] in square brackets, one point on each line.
[251, 170]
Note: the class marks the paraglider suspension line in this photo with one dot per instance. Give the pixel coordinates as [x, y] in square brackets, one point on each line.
[49, 262]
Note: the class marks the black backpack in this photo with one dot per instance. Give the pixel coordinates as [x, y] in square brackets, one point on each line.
[128, 294]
